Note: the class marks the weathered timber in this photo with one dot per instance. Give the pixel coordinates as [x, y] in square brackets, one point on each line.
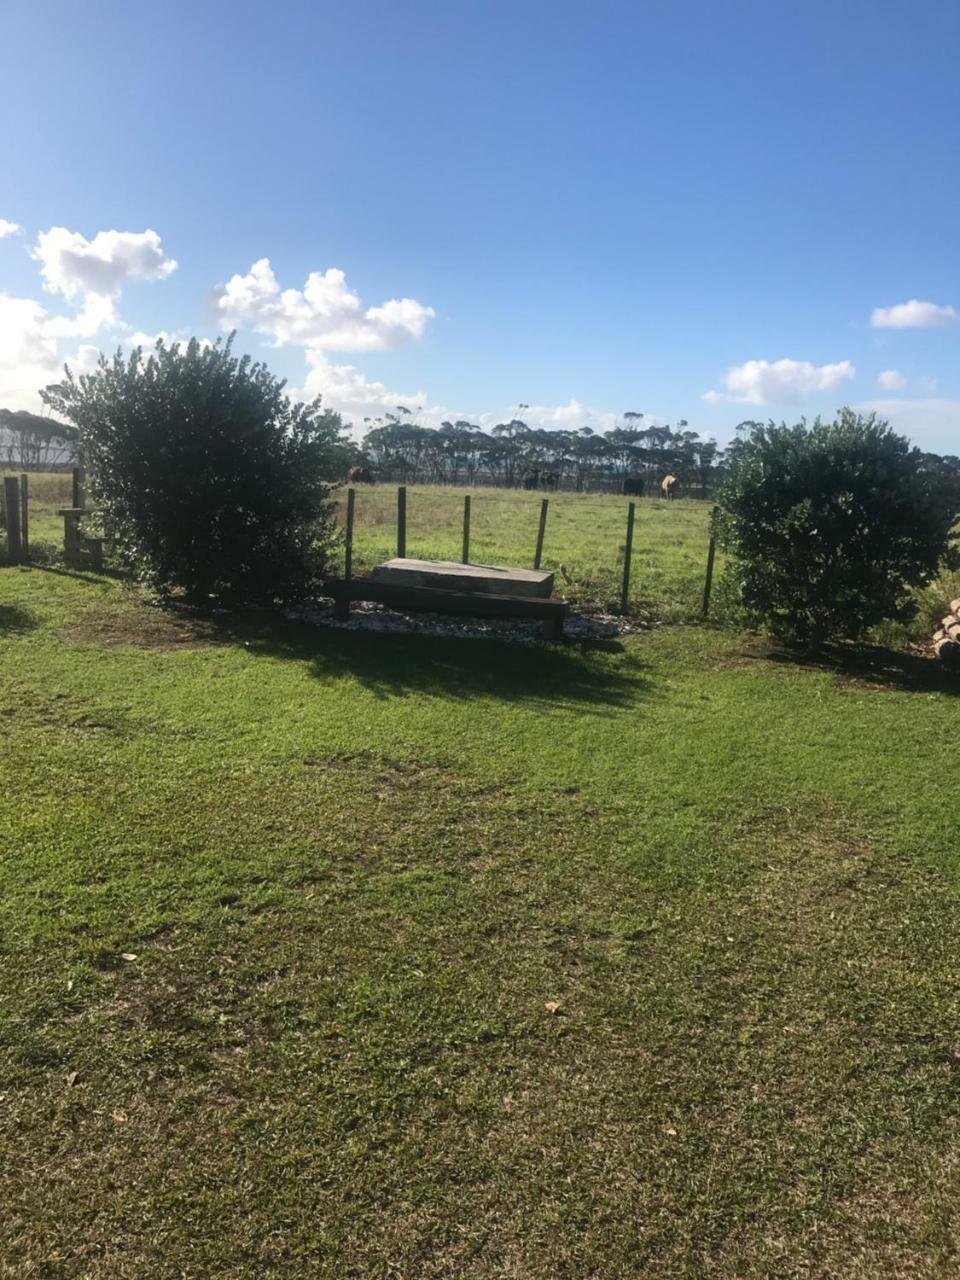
[433, 600]
[25, 517]
[402, 521]
[11, 502]
[473, 578]
[466, 529]
[541, 530]
[348, 535]
[955, 607]
[627, 558]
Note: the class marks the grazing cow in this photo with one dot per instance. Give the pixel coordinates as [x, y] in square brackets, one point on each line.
[668, 486]
[531, 479]
[633, 487]
[550, 479]
[360, 475]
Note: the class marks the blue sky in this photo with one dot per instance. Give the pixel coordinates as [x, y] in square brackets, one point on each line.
[588, 208]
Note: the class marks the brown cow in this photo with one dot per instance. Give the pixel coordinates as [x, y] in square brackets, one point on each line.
[668, 486]
[360, 475]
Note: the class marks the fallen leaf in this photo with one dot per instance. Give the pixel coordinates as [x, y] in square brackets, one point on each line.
[552, 1006]
[72, 1079]
[671, 1132]
[128, 955]
[70, 984]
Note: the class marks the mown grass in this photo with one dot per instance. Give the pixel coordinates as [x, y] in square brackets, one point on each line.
[349, 955]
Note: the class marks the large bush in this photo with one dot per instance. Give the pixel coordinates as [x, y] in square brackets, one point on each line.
[213, 480]
[830, 526]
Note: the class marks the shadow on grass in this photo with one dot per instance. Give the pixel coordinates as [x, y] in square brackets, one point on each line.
[15, 621]
[393, 666]
[871, 665]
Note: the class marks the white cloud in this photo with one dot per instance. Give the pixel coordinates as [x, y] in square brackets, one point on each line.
[933, 424]
[779, 382]
[324, 316]
[8, 228]
[77, 267]
[912, 315]
[88, 273]
[30, 357]
[891, 380]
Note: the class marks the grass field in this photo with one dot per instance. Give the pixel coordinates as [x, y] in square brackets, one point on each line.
[586, 533]
[347, 955]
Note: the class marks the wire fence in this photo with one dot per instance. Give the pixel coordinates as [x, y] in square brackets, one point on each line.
[584, 541]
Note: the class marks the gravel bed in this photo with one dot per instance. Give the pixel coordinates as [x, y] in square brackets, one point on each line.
[367, 616]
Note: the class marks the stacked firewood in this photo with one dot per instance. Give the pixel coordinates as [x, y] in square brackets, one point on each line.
[946, 641]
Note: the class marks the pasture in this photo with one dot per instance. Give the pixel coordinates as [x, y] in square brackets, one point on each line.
[585, 533]
[350, 955]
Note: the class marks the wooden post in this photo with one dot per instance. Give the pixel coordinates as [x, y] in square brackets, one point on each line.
[402, 521]
[466, 529]
[78, 488]
[540, 532]
[711, 552]
[627, 557]
[11, 494]
[24, 517]
[348, 537]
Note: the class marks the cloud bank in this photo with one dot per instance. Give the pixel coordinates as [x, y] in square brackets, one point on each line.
[779, 382]
[912, 315]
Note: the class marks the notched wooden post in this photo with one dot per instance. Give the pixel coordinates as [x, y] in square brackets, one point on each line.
[24, 517]
[11, 500]
[466, 529]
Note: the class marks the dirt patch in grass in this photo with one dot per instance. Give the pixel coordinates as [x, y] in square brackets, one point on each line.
[148, 628]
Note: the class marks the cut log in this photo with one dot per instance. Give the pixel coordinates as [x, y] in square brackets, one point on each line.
[950, 623]
[955, 607]
[448, 575]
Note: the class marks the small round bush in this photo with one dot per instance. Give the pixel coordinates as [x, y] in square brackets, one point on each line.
[829, 526]
[212, 478]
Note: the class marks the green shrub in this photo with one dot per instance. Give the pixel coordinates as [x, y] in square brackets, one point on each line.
[829, 527]
[213, 480]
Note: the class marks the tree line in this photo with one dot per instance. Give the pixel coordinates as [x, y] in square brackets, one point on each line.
[397, 448]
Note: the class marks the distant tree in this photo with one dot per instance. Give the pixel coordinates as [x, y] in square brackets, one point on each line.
[213, 479]
[29, 440]
[830, 526]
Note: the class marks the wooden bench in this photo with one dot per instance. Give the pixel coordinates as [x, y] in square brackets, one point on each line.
[479, 601]
[79, 551]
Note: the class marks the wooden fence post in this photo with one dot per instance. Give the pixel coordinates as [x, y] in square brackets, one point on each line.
[540, 532]
[627, 557]
[711, 552]
[466, 529]
[24, 517]
[348, 538]
[77, 502]
[402, 521]
[11, 494]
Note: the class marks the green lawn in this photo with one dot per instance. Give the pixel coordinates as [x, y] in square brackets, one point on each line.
[347, 955]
